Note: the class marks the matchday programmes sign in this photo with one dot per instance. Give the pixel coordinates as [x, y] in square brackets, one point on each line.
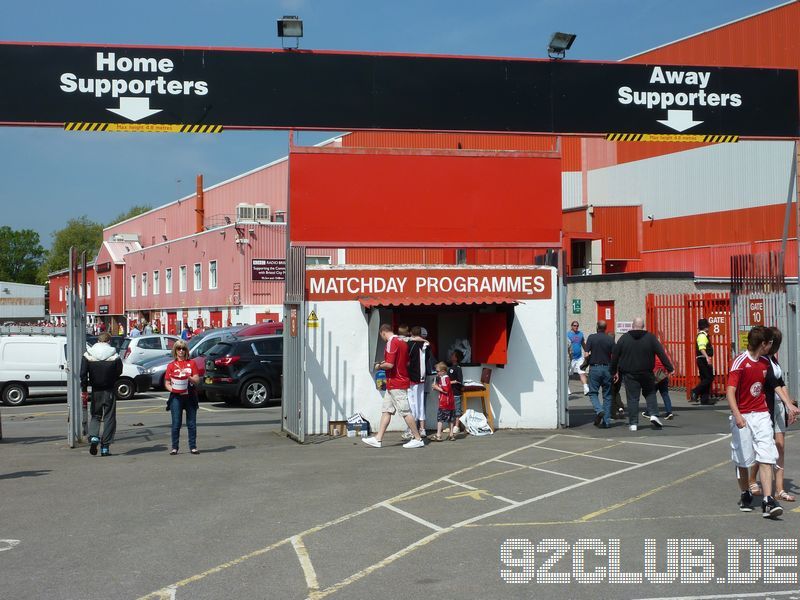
[341, 284]
[49, 84]
[268, 269]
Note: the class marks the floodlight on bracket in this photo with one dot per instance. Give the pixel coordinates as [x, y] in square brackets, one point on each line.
[290, 26]
[559, 44]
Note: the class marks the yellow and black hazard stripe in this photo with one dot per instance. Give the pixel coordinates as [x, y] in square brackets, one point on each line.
[672, 137]
[143, 127]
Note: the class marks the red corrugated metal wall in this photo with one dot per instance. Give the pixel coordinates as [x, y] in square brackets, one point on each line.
[574, 220]
[621, 231]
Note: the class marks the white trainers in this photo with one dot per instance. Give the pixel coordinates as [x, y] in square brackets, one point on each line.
[456, 430]
[631, 427]
[371, 441]
[407, 434]
[413, 444]
[423, 433]
[585, 390]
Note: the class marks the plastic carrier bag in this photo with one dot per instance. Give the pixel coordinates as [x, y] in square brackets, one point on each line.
[475, 423]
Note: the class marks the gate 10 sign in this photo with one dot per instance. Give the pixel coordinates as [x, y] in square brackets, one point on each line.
[756, 306]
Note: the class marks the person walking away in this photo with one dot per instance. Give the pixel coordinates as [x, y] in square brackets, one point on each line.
[101, 366]
[418, 357]
[703, 352]
[457, 383]
[148, 329]
[599, 345]
[179, 379]
[447, 408]
[135, 332]
[783, 411]
[633, 361]
[576, 348]
[752, 438]
[662, 386]
[395, 363]
[186, 334]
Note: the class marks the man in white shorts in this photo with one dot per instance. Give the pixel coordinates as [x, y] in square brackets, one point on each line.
[395, 363]
[751, 427]
[577, 349]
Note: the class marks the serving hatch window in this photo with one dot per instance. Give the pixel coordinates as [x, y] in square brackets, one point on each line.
[480, 331]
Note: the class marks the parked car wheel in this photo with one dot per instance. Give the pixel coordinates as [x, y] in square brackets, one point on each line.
[255, 393]
[15, 394]
[124, 388]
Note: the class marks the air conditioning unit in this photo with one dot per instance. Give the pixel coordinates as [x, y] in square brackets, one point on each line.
[262, 212]
[280, 216]
[245, 212]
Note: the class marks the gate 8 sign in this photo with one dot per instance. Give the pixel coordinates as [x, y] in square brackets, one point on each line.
[718, 323]
[756, 306]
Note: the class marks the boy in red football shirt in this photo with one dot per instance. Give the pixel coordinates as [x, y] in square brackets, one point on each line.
[447, 406]
[751, 427]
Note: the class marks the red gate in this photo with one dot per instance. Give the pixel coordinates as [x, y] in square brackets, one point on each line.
[673, 318]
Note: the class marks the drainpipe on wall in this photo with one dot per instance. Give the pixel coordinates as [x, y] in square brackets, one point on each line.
[199, 207]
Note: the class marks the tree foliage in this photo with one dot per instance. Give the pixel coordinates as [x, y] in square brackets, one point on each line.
[21, 255]
[83, 234]
[134, 211]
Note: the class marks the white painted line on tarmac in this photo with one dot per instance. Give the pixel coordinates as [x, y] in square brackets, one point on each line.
[765, 595]
[656, 445]
[587, 455]
[305, 563]
[458, 483]
[513, 464]
[587, 482]
[158, 595]
[8, 544]
[413, 517]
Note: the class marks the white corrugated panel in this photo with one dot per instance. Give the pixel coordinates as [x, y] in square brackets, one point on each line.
[571, 189]
[702, 180]
[21, 300]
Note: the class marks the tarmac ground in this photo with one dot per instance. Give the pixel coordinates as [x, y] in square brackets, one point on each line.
[575, 513]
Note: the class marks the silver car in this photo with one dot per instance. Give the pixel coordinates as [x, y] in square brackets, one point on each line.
[198, 346]
[139, 349]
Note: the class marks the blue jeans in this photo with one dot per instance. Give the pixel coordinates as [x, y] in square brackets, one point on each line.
[176, 406]
[662, 387]
[600, 376]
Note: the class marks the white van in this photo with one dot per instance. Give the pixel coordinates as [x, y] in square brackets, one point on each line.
[32, 365]
[36, 365]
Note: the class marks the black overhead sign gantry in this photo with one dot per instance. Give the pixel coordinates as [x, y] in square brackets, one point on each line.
[197, 89]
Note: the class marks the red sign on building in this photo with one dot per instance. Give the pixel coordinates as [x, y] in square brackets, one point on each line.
[756, 306]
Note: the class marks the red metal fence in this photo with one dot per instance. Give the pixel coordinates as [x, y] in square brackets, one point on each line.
[673, 318]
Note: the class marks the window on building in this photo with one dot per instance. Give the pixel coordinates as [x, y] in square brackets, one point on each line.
[212, 275]
[156, 283]
[198, 277]
[144, 284]
[168, 281]
[103, 286]
[318, 260]
[182, 278]
[88, 289]
[61, 294]
[133, 286]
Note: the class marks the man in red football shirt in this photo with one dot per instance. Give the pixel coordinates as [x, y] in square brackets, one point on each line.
[395, 363]
[752, 438]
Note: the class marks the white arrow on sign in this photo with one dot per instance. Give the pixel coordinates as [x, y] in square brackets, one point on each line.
[136, 109]
[679, 120]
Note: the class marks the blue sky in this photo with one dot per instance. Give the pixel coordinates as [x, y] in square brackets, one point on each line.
[48, 176]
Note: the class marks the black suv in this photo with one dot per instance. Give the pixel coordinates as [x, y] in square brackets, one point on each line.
[246, 370]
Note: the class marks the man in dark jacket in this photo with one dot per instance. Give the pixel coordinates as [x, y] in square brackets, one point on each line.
[101, 366]
[600, 347]
[633, 360]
